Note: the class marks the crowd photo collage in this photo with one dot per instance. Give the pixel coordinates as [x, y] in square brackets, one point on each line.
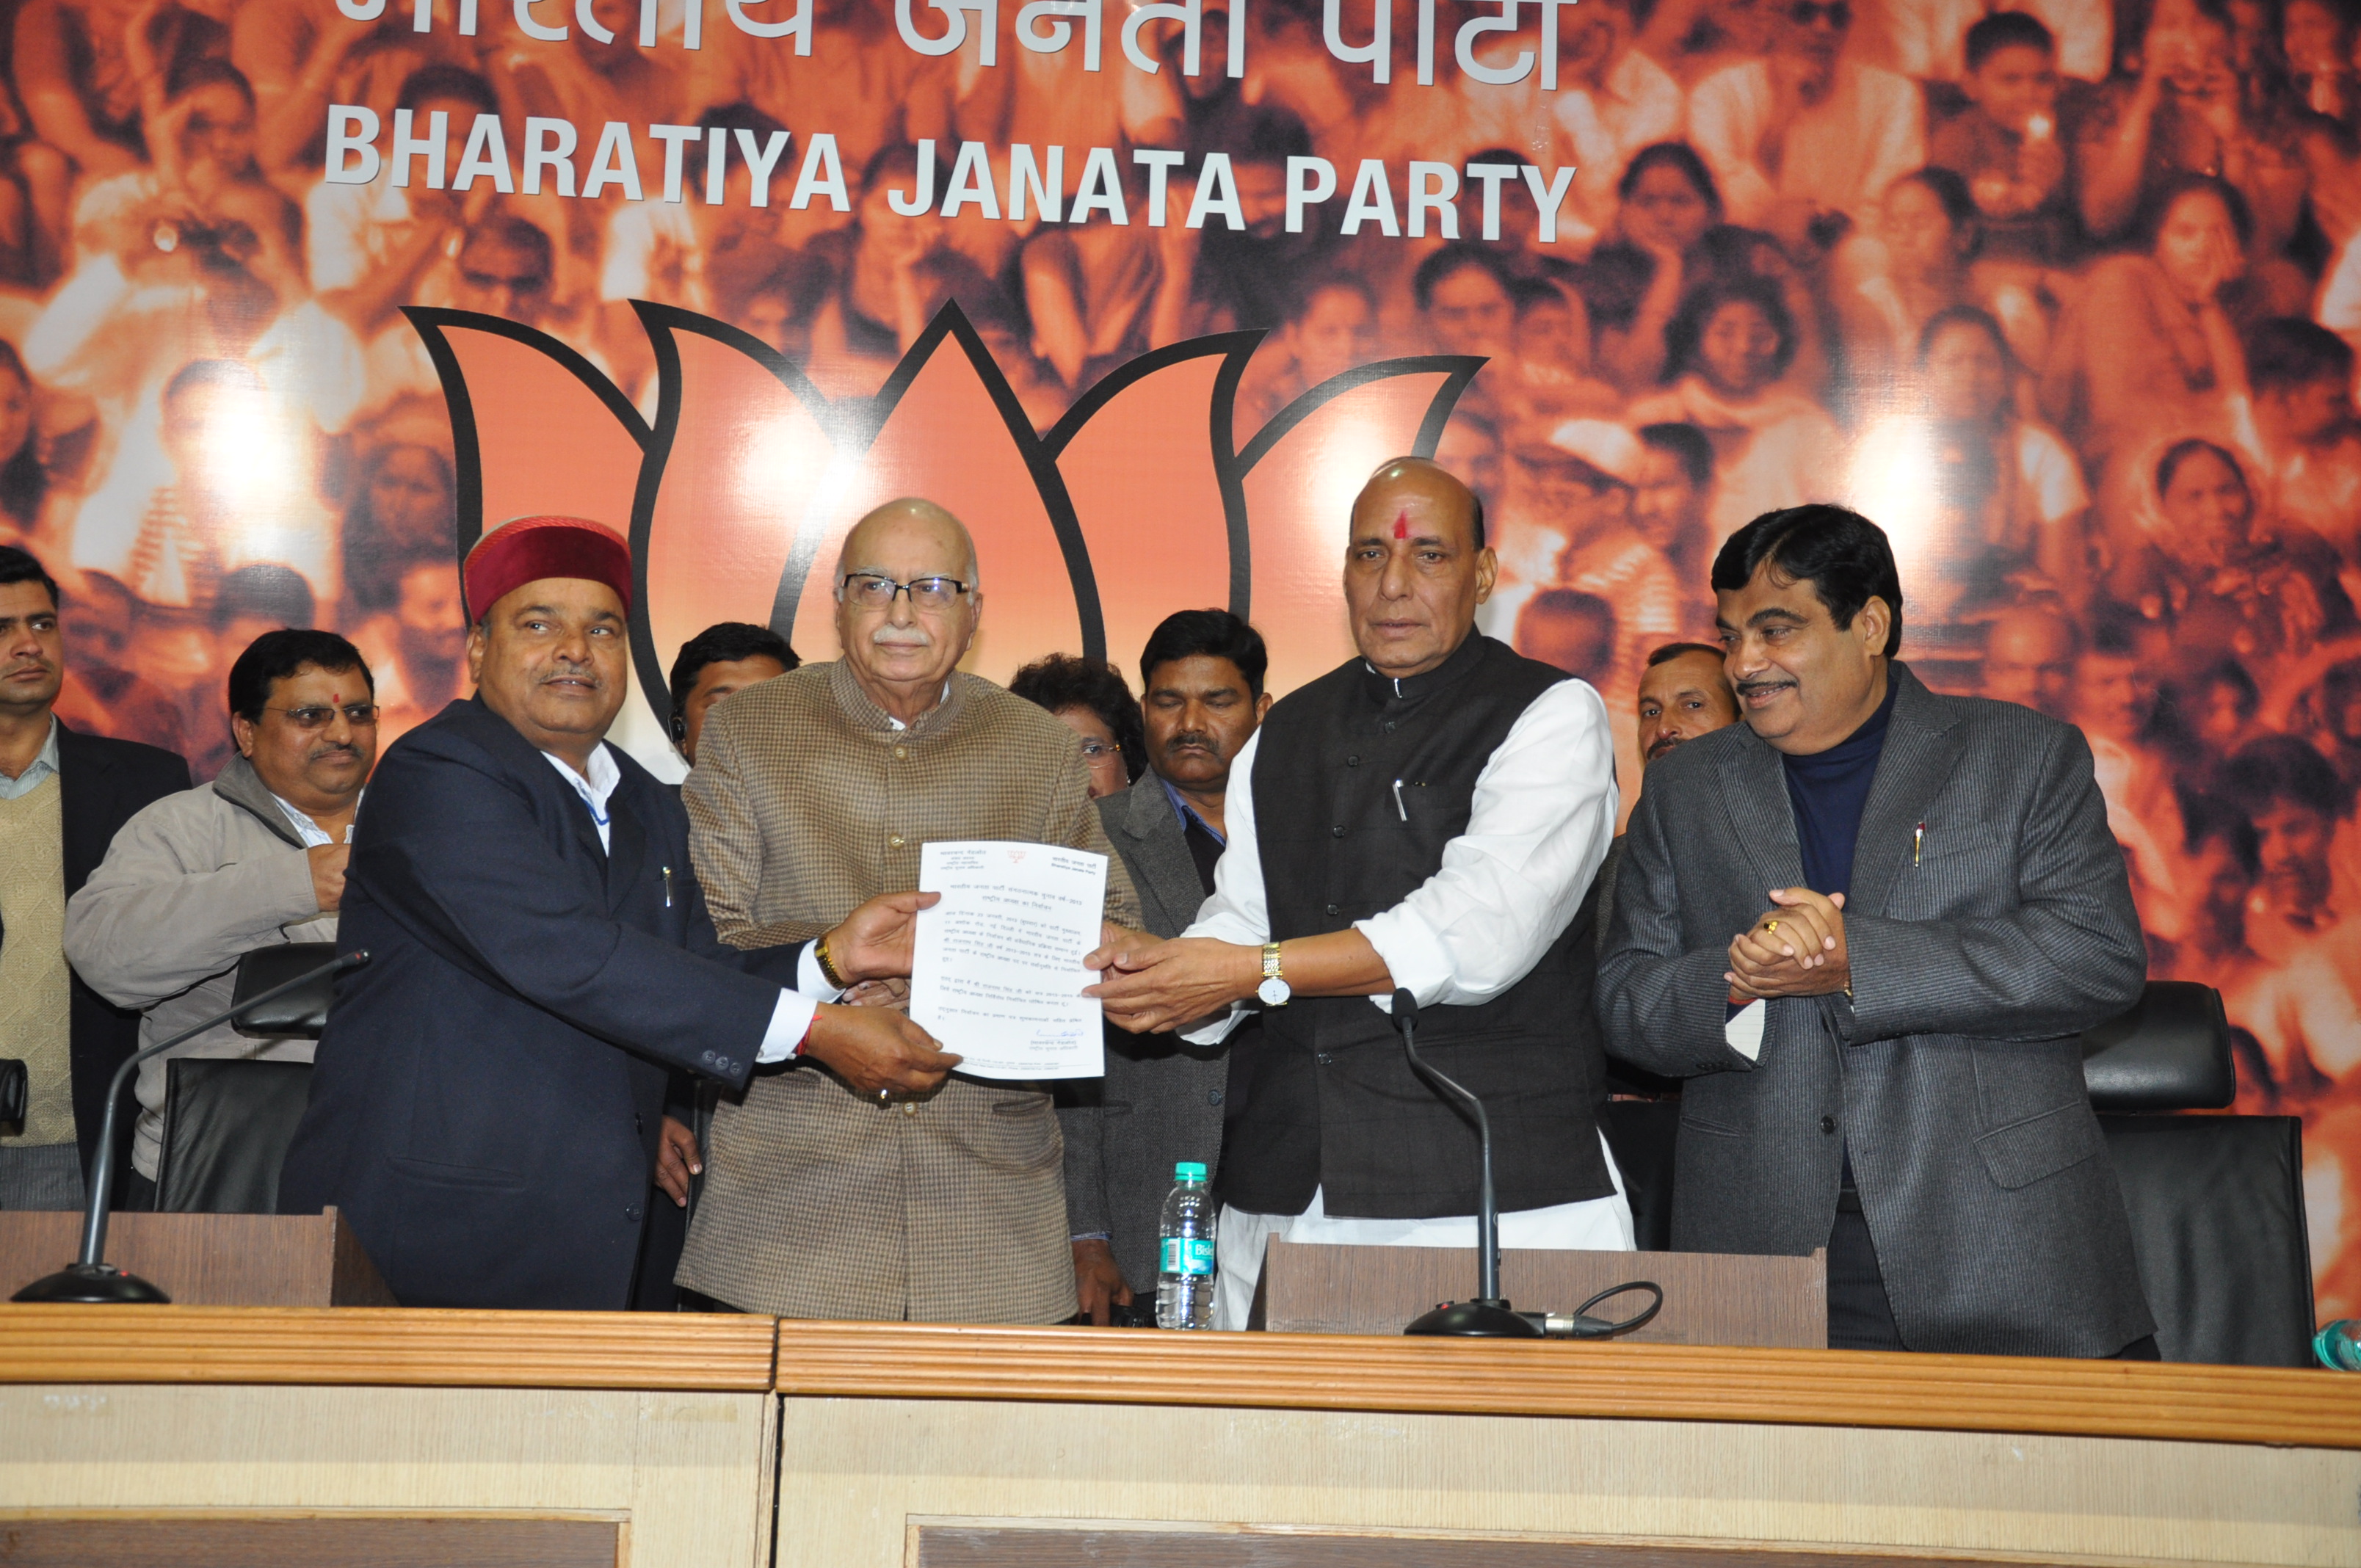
[2064, 294]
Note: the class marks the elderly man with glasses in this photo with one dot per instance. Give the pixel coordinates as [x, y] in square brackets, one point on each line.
[812, 792]
[253, 859]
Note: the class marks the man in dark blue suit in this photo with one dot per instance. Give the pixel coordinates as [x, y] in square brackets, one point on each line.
[487, 1096]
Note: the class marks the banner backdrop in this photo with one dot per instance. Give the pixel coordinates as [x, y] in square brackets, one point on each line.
[305, 294]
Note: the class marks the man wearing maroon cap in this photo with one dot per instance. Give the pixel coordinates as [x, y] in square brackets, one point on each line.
[486, 1099]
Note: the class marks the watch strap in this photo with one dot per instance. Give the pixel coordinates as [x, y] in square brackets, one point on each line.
[828, 969]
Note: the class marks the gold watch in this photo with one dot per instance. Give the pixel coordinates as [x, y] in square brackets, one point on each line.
[828, 970]
[1274, 990]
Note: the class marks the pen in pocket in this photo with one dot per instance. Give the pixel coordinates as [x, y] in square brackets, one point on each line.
[1918, 843]
[1399, 809]
[667, 881]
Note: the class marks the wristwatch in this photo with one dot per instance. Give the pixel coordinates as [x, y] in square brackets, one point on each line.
[828, 968]
[1274, 990]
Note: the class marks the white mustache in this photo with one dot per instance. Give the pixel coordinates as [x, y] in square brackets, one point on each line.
[890, 636]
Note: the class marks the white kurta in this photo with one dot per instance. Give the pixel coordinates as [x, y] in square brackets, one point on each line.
[1543, 815]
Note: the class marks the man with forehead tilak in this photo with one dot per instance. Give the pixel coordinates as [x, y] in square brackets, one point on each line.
[1429, 815]
[487, 1095]
[940, 1202]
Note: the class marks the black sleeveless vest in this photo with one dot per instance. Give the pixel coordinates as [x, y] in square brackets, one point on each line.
[1327, 1098]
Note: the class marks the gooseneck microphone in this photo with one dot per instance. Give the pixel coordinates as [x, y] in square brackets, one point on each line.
[1487, 1316]
[90, 1279]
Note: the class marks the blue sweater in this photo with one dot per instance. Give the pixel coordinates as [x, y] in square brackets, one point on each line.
[1828, 790]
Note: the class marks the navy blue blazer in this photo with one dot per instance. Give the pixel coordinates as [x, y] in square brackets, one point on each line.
[487, 1095]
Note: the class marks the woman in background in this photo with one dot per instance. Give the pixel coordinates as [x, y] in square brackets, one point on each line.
[1726, 352]
[1634, 280]
[2154, 341]
[1333, 330]
[402, 511]
[1090, 697]
[2204, 554]
[1984, 505]
[1933, 235]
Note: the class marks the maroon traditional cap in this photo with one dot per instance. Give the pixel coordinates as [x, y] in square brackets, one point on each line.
[531, 548]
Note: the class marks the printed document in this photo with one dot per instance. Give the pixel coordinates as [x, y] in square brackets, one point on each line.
[997, 976]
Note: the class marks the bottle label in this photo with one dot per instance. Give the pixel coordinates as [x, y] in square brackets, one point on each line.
[1185, 1255]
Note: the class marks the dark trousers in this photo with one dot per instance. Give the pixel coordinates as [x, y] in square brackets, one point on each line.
[662, 1238]
[1859, 1315]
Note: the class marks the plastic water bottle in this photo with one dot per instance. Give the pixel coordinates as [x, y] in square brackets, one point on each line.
[1184, 1279]
[2338, 1345]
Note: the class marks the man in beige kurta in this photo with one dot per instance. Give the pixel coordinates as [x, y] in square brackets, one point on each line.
[813, 792]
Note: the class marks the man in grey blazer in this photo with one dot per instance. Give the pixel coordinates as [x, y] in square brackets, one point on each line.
[1867, 926]
[1160, 1101]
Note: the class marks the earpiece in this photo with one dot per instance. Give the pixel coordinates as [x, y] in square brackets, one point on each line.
[679, 727]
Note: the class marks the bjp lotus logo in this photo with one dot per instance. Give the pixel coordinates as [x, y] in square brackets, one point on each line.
[1143, 500]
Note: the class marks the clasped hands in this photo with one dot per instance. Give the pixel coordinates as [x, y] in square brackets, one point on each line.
[1797, 948]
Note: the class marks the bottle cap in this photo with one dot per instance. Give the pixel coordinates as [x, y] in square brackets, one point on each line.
[1189, 1170]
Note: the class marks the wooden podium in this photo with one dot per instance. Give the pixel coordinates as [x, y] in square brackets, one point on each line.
[177, 1437]
[206, 1260]
[1779, 1303]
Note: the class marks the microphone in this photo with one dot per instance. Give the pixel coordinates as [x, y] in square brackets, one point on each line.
[90, 1280]
[1489, 1316]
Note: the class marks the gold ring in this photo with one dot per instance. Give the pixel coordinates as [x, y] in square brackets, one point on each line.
[1770, 925]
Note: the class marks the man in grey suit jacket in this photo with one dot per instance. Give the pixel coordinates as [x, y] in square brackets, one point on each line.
[1160, 1101]
[1883, 1061]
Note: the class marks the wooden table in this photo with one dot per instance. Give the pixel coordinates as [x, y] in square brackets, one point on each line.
[191, 1435]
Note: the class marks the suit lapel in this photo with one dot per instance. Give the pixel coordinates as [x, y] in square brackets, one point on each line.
[628, 834]
[85, 804]
[1160, 850]
[1922, 743]
[1754, 793]
[499, 737]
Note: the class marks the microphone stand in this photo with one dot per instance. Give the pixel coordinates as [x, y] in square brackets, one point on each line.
[1489, 1316]
[90, 1280]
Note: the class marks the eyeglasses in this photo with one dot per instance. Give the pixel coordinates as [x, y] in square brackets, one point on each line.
[357, 714]
[1837, 14]
[1094, 750]
[871, 590]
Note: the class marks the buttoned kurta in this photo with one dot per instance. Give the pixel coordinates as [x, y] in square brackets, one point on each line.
[807, 800]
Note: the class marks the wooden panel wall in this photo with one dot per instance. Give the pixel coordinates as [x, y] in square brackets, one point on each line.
[316, 1542]
[857, 1473]
[967, 1544]
[687, 1475]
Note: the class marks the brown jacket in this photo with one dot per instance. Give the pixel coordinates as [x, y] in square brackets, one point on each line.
[819, 1203]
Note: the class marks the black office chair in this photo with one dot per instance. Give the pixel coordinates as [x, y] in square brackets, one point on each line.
[2216, 1202]
[227, 1123]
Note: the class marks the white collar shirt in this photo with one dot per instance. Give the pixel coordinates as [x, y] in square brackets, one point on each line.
[791, 1019]
[44, 764]
[595, 786]
[310, 832]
